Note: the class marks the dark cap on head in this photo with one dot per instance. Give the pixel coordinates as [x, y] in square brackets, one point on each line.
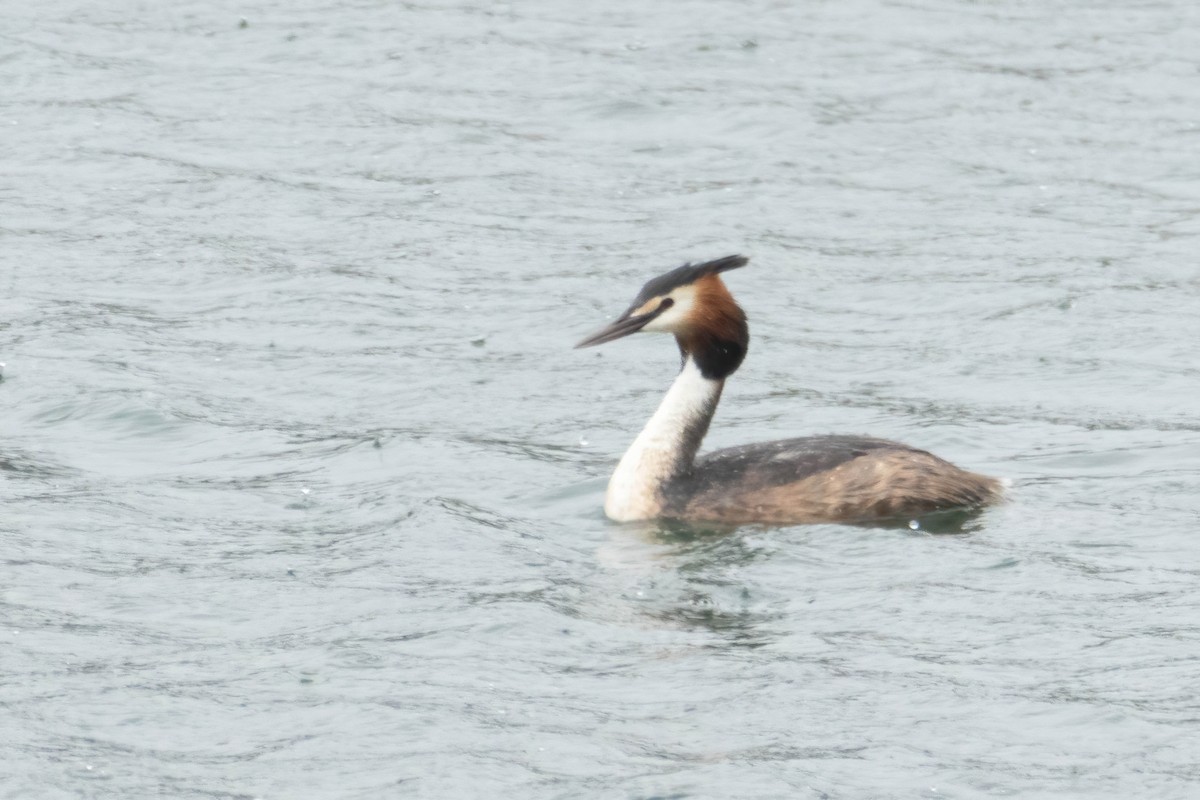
[688, 273]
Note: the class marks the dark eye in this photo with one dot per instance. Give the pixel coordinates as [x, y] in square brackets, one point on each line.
[665, 304]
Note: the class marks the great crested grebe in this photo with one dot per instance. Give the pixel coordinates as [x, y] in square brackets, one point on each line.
[812, 479]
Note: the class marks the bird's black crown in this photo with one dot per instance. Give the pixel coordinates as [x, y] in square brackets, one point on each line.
[688, 273]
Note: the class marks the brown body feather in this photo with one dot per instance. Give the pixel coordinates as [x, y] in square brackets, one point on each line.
[826, 479]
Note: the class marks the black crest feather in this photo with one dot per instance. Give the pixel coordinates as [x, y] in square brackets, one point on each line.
[688, 273]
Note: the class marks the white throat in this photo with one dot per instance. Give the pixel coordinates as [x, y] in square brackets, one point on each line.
[665, 448]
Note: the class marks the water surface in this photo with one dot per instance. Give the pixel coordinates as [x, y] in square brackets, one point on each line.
[302, 480]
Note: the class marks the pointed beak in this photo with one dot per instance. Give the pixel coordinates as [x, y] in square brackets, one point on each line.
[625, 325]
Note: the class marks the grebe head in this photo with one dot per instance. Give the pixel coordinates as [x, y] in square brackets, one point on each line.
[692, 303]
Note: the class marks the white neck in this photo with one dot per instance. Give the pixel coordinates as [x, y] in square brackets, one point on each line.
[665, 448]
